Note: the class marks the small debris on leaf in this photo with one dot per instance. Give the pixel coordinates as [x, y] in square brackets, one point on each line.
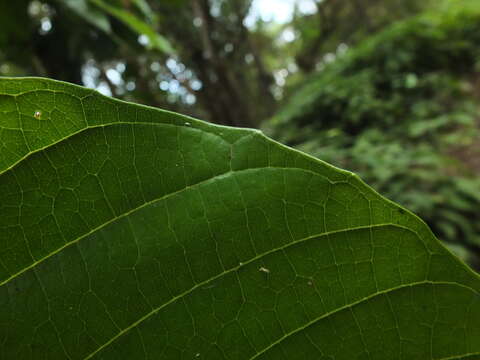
[265, 270]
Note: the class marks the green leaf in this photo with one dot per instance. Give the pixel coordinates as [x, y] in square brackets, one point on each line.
[129, 232]
[89, 13]
[143, 6]
[155, 40]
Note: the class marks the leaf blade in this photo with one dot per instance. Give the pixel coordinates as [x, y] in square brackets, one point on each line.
[173, 236]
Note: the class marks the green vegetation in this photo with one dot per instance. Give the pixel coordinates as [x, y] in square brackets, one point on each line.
[401, 110]
[130, 232]
[136, 233]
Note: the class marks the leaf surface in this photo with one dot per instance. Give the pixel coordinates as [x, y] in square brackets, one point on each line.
[128, 232]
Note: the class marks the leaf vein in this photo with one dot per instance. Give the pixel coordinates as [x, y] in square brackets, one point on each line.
[259, 256]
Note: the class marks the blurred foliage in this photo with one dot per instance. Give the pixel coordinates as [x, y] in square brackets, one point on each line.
[346, 22]
[401, 110]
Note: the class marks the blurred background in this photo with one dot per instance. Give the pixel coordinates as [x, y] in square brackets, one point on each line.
[389, 89]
